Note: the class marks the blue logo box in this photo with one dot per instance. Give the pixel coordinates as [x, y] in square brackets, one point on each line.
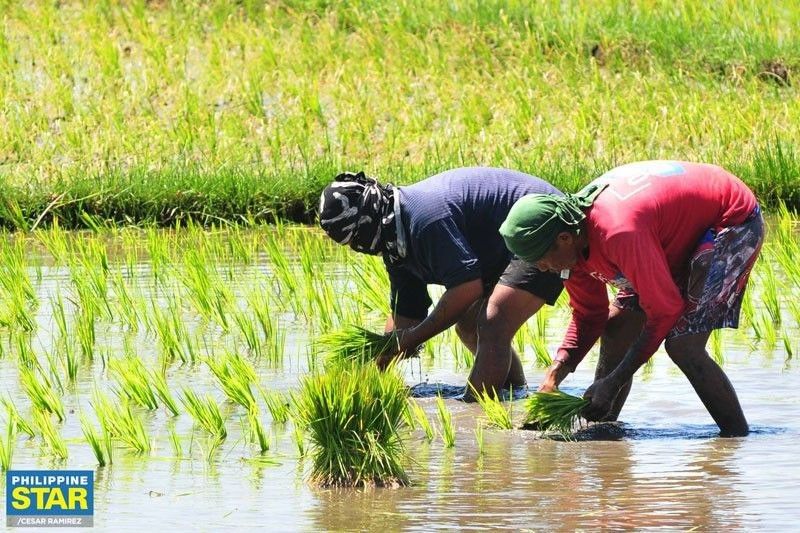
[55, 498]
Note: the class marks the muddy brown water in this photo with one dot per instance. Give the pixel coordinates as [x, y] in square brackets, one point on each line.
[662, 467]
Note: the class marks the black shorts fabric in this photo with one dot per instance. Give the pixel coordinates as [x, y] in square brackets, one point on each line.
[522, 275]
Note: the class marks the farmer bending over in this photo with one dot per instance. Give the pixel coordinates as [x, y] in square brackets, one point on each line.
[444, 230]
[678, 240]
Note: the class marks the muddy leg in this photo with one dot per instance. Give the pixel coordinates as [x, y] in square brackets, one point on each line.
[710, 382]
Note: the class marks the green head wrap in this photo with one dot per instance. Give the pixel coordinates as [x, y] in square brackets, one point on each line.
[535, 220]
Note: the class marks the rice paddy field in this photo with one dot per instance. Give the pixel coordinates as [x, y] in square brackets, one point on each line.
[168, 322]
[184, 367]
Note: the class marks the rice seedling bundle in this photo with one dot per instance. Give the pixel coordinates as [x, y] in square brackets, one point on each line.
[353, 416]
[555, 410]
[354, 344]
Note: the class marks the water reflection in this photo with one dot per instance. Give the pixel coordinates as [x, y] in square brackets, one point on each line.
[525, 482]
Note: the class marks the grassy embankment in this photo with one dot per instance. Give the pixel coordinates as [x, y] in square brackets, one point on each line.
[148, 112]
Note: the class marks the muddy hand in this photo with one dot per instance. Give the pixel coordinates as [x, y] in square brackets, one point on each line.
[601, 394]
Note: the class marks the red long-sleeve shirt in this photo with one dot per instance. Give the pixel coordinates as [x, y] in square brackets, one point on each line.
[642, 230]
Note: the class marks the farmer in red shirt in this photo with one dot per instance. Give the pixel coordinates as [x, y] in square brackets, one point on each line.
[678, 241]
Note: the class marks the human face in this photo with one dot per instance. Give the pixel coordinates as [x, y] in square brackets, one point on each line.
[562, 255]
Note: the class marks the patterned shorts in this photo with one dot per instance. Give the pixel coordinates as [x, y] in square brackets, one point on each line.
[718, 272]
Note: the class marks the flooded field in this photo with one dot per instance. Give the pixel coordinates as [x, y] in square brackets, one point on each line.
[99, 319]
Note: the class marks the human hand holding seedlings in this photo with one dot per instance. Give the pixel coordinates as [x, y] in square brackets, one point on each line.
[397, 346]
[554, 376]
[601, 395]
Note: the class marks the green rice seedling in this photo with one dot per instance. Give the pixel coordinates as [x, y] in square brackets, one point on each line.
[158, 250]
[41, 392]
[247, 329]
[121, 423]
[353, 416]
[748, 309]
[50, 434]
[446, 420]
[235, 376]
[14, 273]
[716, 347]
[372, 284]
[542, 316]
[171, 332]
[54, 239]
[127, 307]
[768, 330]
[14, 416]
[794, 309]
[769, 295]
[134, 381]
[279, 406]
[299, 440]
[422, 420]
[158, 379]
[208, 293]
[479, 438]
[353, 344]
[259, 306]
[543, 359]
[16, 313]
[25, 354]
[282, 271]
[70, 360]
[496, 413]
[85, 330]
[206, 413]
[94, 440]
[555, 410]
[787, 345]
[7, 446]
[176, 443]
[257, 433]
[520, 339]
[464, 359]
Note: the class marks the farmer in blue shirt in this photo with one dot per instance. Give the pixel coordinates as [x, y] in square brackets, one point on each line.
[444, 230]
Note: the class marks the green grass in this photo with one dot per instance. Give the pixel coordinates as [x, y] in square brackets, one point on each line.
[554, 411]
[220, 110]
[353, 417]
